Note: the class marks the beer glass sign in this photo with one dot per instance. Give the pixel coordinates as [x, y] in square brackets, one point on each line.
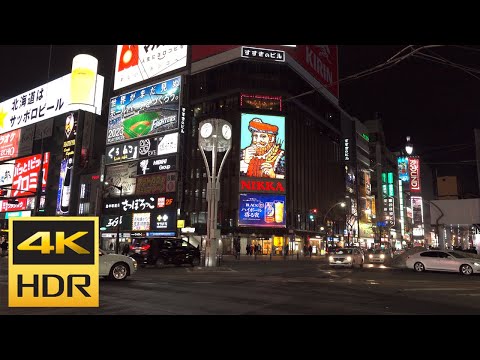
[262, 210]
[83, 79]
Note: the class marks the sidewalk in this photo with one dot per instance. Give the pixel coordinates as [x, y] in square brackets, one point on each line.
[266, 258]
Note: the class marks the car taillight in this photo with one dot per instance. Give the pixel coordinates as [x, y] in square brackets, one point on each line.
[132, 247]
[145, 247]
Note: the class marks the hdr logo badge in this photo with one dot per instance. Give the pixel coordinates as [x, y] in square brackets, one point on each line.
[53, 262]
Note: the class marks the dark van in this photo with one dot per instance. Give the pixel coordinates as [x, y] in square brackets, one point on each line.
[164, 251]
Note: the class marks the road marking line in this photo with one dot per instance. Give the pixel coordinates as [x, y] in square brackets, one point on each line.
[469, 294]
[437, 289]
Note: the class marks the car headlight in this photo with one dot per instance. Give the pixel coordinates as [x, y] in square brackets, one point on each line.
[330, 258]
[349, 258]
[134, 264]
[476, 264]
[370, 256]
[382, 256]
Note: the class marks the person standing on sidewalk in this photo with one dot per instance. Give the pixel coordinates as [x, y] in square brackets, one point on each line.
[4, 247]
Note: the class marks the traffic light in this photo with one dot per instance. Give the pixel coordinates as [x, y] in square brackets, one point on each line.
[313, 213]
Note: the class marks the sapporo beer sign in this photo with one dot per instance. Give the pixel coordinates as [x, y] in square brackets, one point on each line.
[53, 262]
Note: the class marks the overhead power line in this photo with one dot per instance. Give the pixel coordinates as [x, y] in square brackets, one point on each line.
[392, 61]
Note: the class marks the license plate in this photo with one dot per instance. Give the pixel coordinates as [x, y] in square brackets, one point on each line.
[137, 251]
[339, 262]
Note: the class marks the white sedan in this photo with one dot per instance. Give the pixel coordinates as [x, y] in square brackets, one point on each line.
[438, 260]
[348, 257]
[116, 266]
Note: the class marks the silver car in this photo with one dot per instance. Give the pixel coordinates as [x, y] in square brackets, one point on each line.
[346, 257]
[380, 256]
[116, 266]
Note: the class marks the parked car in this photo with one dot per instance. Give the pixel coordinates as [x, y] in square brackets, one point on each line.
[164, 251]
[380, 256]
[116, 266]
[438, 260]
[346, 257]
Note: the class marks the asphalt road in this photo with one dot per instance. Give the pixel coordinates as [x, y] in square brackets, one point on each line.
[275, 288]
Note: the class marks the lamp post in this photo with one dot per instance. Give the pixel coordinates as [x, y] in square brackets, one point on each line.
[120, 188]
[342, 204]
[440, 235]
[215, 135]
[408, 146]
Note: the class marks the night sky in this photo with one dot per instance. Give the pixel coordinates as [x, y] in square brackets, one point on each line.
[437, 105]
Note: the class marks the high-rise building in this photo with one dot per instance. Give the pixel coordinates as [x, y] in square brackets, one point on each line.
[285, 172]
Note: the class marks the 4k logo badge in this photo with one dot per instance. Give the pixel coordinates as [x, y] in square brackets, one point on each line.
[53, 262]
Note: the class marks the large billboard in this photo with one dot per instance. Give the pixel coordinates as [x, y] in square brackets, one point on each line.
[319, 61]
[262, 210]
[44, 102]
[136, 63]
[262, 145]
[150, 110]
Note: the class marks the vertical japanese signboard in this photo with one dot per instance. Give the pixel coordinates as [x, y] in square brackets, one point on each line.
[414, 171]
[66, 165]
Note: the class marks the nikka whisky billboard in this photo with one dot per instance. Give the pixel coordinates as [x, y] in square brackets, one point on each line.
[262, 171]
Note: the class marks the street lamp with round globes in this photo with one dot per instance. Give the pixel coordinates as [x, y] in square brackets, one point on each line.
[342, 204]
[408, 146]
[215, 136]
